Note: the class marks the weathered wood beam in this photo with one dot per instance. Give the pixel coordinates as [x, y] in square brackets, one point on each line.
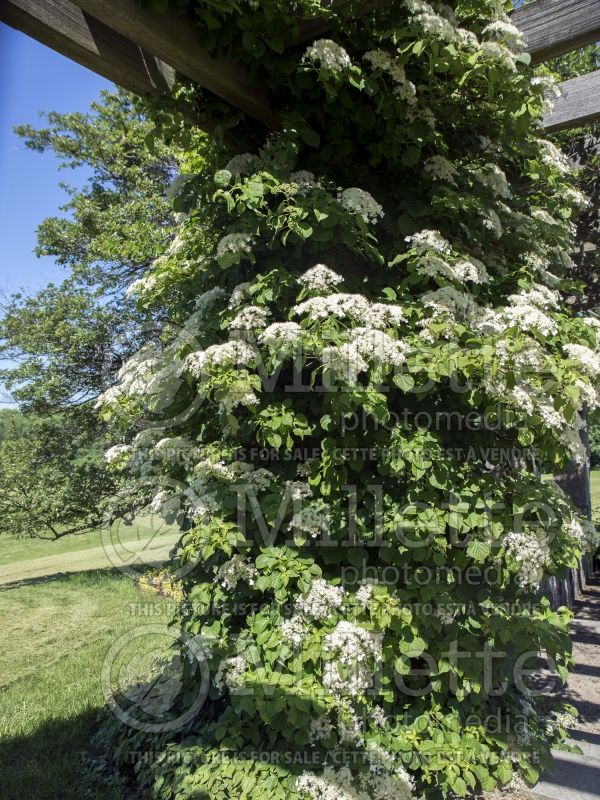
[64, 27]
[555, 27]
[173, 39]
[578, 105]
[551, 27]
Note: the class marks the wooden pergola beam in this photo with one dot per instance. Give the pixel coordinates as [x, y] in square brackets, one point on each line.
[171, 38]
[64, 27]
[142, 50]
[555, 27]
[579, 104]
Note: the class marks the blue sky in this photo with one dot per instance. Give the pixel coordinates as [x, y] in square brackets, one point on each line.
[33, 78]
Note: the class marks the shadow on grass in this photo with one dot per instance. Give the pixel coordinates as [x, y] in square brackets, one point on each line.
[89, 576]
[48, 764]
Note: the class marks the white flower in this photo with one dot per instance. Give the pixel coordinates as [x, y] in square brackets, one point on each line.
[312, 520]
[587, 358]
[117, 452]
[531, 554]
[328, 55]
[430, 22]
[294, 629]
[384, 62]
[305, 180]
[356, 649]
[320, 729]
[142, 285]
[206, 301]
[228, 354]
[321, 600]
[427, 241]
[357, 201]
[440, 169]
[494, 178]
[344, 361]
[236, 569]
[552, 157]
[500, 53]
[505, 32]
[364, 594]
[282, 337]
[320, 278]
[251, 318]
[244, 164]
[230, 673]
[239, 295]
[340, 784]
[234, 244]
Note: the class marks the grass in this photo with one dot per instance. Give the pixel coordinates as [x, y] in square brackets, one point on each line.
[14, 550]
[56, 635]
[595, 485]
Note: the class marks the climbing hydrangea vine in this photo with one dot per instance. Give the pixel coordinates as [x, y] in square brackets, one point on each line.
[367, 359]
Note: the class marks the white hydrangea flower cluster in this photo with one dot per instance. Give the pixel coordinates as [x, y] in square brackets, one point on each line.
[551, 89]
[321, 600]
[495, 179]
[341, 785]
[142, 285]
[505, 32]
[433, 251]
[584, 532]
[175, 449]
[384, 62]
[206, 301]
[230, 674]
[526, 312]
[495, 51]
[427, 241]
[228, 354]
[367, 347]
[353, 306]
[321, 729]
[358, 201]
[531, 552]
[305, 181]
[250, 318]
[149, 372]
[493, 223]
[116, 452]
[364, 594]
[359, 651]
[313, 519]
[282, 337]
[431, 22]
[239, 295]
[234, 244]
[320, 278]
[587, 358]
[235, 570]
[439, 168]
[329, 56]
[297, 490]
[553, 157]
[244, 164]
[294, 629]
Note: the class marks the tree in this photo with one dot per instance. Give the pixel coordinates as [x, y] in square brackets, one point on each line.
[372, 354]
[66, 343]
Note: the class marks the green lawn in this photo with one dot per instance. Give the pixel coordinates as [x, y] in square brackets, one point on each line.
[596, 494]
[14, 550]
[56, 635]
